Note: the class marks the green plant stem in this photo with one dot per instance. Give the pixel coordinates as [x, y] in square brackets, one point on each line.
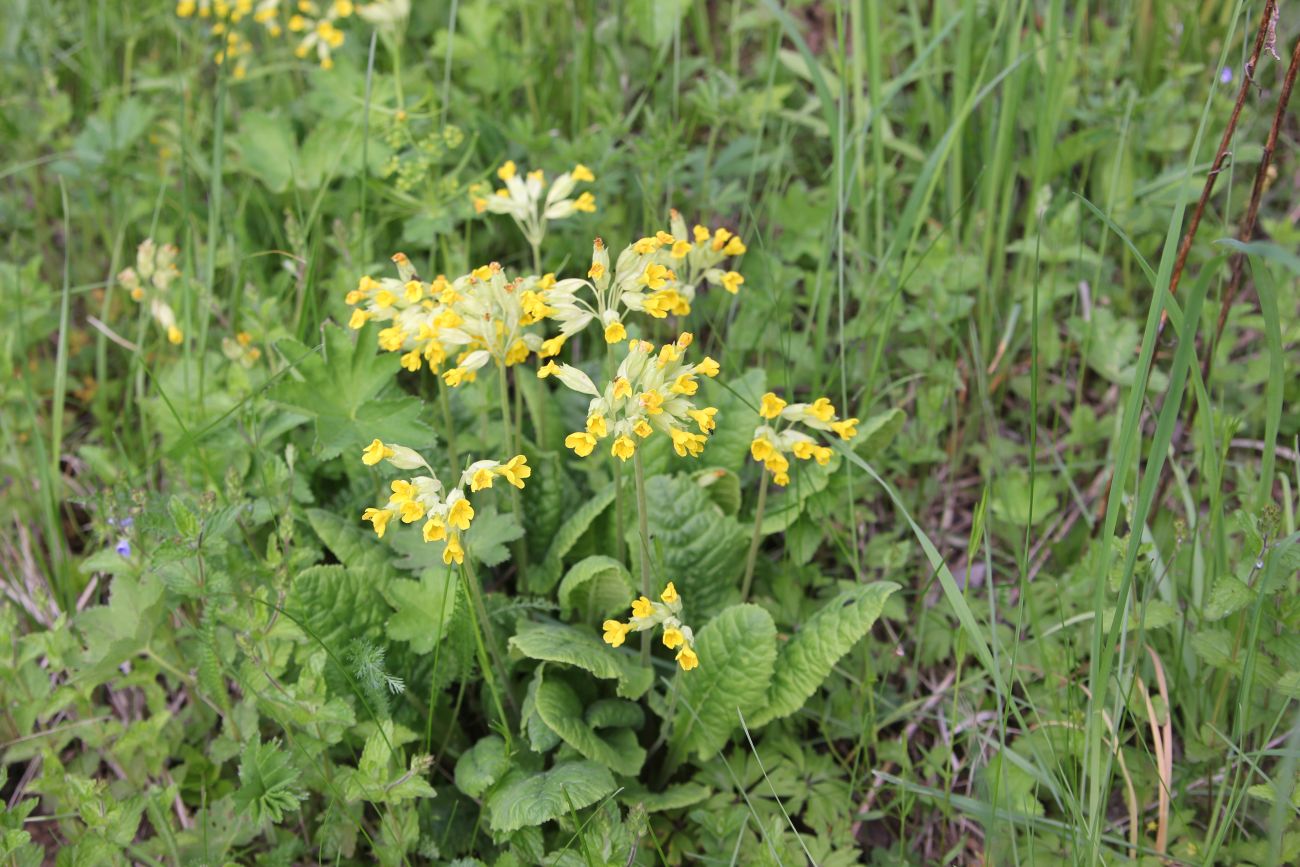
[489, 656]
[755, 539]
[643, 527]
[449, 426]
[513, 443]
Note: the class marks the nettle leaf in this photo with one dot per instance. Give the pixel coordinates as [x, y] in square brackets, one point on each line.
[1228, 596]
[561, 709]
[268, 782]
[480, 766]
[808, 657]
[350, 389]
[703, 549]
[119, 630]
[596, 587]
[737, 651]
[380, 776]
[582, 648]
[337, 605]
[424, 608]
[527, 799]
[542, 579]
[737, 400]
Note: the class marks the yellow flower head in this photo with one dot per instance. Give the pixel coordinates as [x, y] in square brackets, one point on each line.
[515, 471]
[622, 388]
[597, 426]
[623, 448]
[507, 171]
[847, 429]
[704, 418]
[581, 442]
[822, 408]
[460, 514]
[481, 479]
[581, 173]
[375, 452]
[670, 595]
[615, 632]
[615, 332]
[708, 367]
[673, 637]
[687, 443]
[585, 203]
[453, 553]
[379, 518]
[761, 449]
[731, 281]
[642, 607]
[771, 406]
[655, 276]
[687, 659]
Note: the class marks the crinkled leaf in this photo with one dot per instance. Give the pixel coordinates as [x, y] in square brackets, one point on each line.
[876, 433]
[543, 578]
[117, 631]
[479, 767]
[737, 651]
[596, 587]
[351, 542]
[527, 799]
[561, 710]
[676, 797]
[337, 605]
[722, 486]
[543, 500]
[808, 657]
[1228, 596]
[582, 648]
[424, 608]
[615, 713]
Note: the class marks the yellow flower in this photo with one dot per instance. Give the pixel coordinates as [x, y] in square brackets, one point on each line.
[375, 452]
[411, 360]
[582, 173]
[392, 338]
[359, 318]
[701, 233]
[642, 428]
[547, 369]
[455, 376]
[615, 632]
[483, 272]
[596, 426]
[761, 449]
[781, 479]
[174, 335]
[704, 418]
[822, 454]
[803, 450]
[507, 171]
[412, 511]
[379, 518]
[581, 442]
[537, 175]
[734, 247]
[596, 271]
[623, 448]
[516, 470]
[822, 409]
[685, 442]
[720, 238]
[669, 596]
[414, 291]
[481, 479]
[434, 530]
[552, 346]
[652, 401]
[480, 204]
[687, 659]
[685, 384]
[622, 388]
[453, 552]
[385, 299]
[776, 463]
[642, 607]
[615, 332]
[771, 406]
[646, 246]
[668, 353]
[517, 353]
[655, 276]
[708, 367]
[460, 514]
[585, 203]
[731, 281]
[673, 637]
[847, 429]
[680, 249]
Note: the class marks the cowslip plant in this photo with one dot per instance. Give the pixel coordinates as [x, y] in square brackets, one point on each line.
[150, 282]
[666, 613]
[313, 25]
[779, 434]
[532, 204]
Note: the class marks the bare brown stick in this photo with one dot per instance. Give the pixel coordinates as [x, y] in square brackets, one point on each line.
[1261, 36]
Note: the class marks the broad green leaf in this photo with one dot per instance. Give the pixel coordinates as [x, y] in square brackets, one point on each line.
[266, 147]
[737, 651]
[1214, 647]
[424, 608]
[737, 399]
[615, 713]
[597, 587]
[785, 505]
[480, 766]
[350, 389]
[337, 605]
[703, 549]
[352, 542]
[1228, 596]
[543, 500]
[268, 782]
[526, 799]
[676, 797]
[119, 630]
[561, 710]
[808, 657]
[876, 433]
[722, 486]
[485, 542]
[542, 579]
[582, 648]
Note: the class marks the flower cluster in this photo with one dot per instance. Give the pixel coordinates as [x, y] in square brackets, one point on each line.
[778, 435]
[240, 349]
[522, 198]
[647, 614]
[314, 25]
[482, 316]
[446, 514]
[650, 392]
[150, 280]
[658, 275]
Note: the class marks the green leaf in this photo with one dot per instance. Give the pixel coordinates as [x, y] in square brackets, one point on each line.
[424, 608]
[526, 799]
[268, 782]
[737, 651]
[808, 657]
[337, 605]
[703, 549]
[543, 578]
[615, 713]
[351, 542]
[543, 500]
[722, 486]
[485, 542]
[676, 797]
[119, 630]
[737, 400]
[479, 767]
[580, 647]
[561, 710]
[350, 389]
[1228, 596]
[876, 433]
[597, 586]
[1214, 647]
[266, 147]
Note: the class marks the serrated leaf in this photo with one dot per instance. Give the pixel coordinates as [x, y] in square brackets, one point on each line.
[337, 605]
[119, 630]
[703, 549]
[268, 782]
[1228, 596]
[808, 657]
[596, 586]
[1289, 684]
[424, 608]
[1214, 647]
[543, 578]
[785, 505]
[580, 647]
[676, 797]
[559, 707]
[350, 391]
[737, 651]
[480, 766]
[526, 799]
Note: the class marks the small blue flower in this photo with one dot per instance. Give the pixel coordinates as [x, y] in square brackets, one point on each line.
[1226, 75]
[123, 547]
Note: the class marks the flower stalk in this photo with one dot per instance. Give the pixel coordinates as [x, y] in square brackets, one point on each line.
[643, 527]
[754, 540]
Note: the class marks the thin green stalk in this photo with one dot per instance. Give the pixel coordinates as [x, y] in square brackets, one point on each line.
[754, 539]
[644, 528]
[513, 444]
[449, 427]
[489, 657]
